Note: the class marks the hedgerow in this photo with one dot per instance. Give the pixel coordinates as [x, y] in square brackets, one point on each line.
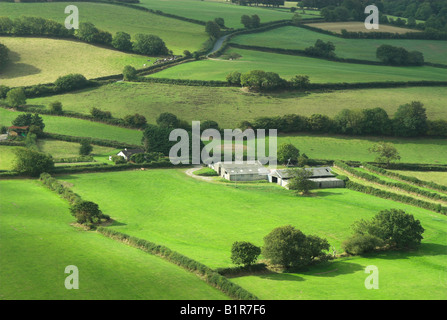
[386, 194]
[210, 276]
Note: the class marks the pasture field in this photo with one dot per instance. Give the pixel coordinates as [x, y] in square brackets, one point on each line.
[176, 214]
[37, 243]
[64, 149]
[229, 106]
[437, 177]
[7, 157]
[362, 49]
[414, 150]
[209, 10]
[178, 35]
[318, 70]
[356, 26]
[79, 128]
[39, 60]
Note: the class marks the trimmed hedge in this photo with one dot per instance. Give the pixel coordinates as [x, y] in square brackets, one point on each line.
[54, 185]
[386, 194]
[210, 276]
[413, 180]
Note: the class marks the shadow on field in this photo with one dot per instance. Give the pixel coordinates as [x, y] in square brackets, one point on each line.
[426, 249]
[281, 277]
[15, 69]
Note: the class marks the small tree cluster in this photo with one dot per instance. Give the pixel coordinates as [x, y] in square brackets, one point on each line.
[251, 22]
[392, 228]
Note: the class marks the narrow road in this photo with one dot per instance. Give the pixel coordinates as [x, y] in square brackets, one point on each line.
[218, 44]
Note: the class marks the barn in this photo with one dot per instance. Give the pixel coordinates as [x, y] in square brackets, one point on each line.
[247, 171]
[322, 176]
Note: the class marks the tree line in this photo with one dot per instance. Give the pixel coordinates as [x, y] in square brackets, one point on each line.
[145, 44]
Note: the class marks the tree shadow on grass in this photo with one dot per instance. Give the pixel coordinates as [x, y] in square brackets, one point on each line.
[425, 249]
[15, 69]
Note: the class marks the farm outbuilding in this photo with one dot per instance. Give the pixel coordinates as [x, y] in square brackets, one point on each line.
[247, 171]
[127, 153]
[322, 176]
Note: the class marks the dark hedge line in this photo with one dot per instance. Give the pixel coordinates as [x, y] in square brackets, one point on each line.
[416, 167]
[118, 122]
[95, 141]
[386, 194]
[74, 159]
[413, 180]
[12, 143]
[380, 35]
[186, 82]
[165, 163]
[50, 89]
[233, 271]
[210, 276]
[397, 185]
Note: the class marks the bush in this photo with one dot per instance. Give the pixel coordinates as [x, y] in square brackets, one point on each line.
[150, 45]
[71, 82]
[56, 107]
[86, 212]
[358, 244]
[16, 97]
[244, 253]
[86, 147]
[32, 163]
[289, 247]
[288, 154]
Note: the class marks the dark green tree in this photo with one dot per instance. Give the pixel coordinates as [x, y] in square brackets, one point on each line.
[288, 154]
[32, 163]
[122, 41]
[244, 253]
[410, 120]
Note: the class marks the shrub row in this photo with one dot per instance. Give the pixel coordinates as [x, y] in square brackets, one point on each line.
[401, 186]
[416, 167]
[210, 276]
[12, 143]
[119, 122]
[233, 271]
[409, 179]
[74, 159]
[185, 82]
[386, 194]
[54, 185]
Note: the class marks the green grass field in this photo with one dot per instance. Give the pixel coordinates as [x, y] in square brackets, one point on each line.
[356, 26]
[79, 128]
[318, 70]
[37, 243]
[7, 157]
[39, 60]
[363, 49]
[209, 10]
[416, 150]
[206, 218]
[63, 149]
[229, 106]
[178, 35]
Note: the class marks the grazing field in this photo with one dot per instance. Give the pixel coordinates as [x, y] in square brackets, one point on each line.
[319, 71]
[355, 26]
[63, 149]
[362, 49]
[40, 60]
[437, 177]
[79, 128]
[416, 150]
[249, 212]
[229, 106]
[7, 157]
[37, 243]
[178, 35]
[209, 10]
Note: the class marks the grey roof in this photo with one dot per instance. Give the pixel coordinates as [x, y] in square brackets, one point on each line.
[319, 172]
[243, 168]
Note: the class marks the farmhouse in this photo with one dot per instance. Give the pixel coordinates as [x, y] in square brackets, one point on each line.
[127, 153]
[247, 171]
[15, 131]
[322, 176]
